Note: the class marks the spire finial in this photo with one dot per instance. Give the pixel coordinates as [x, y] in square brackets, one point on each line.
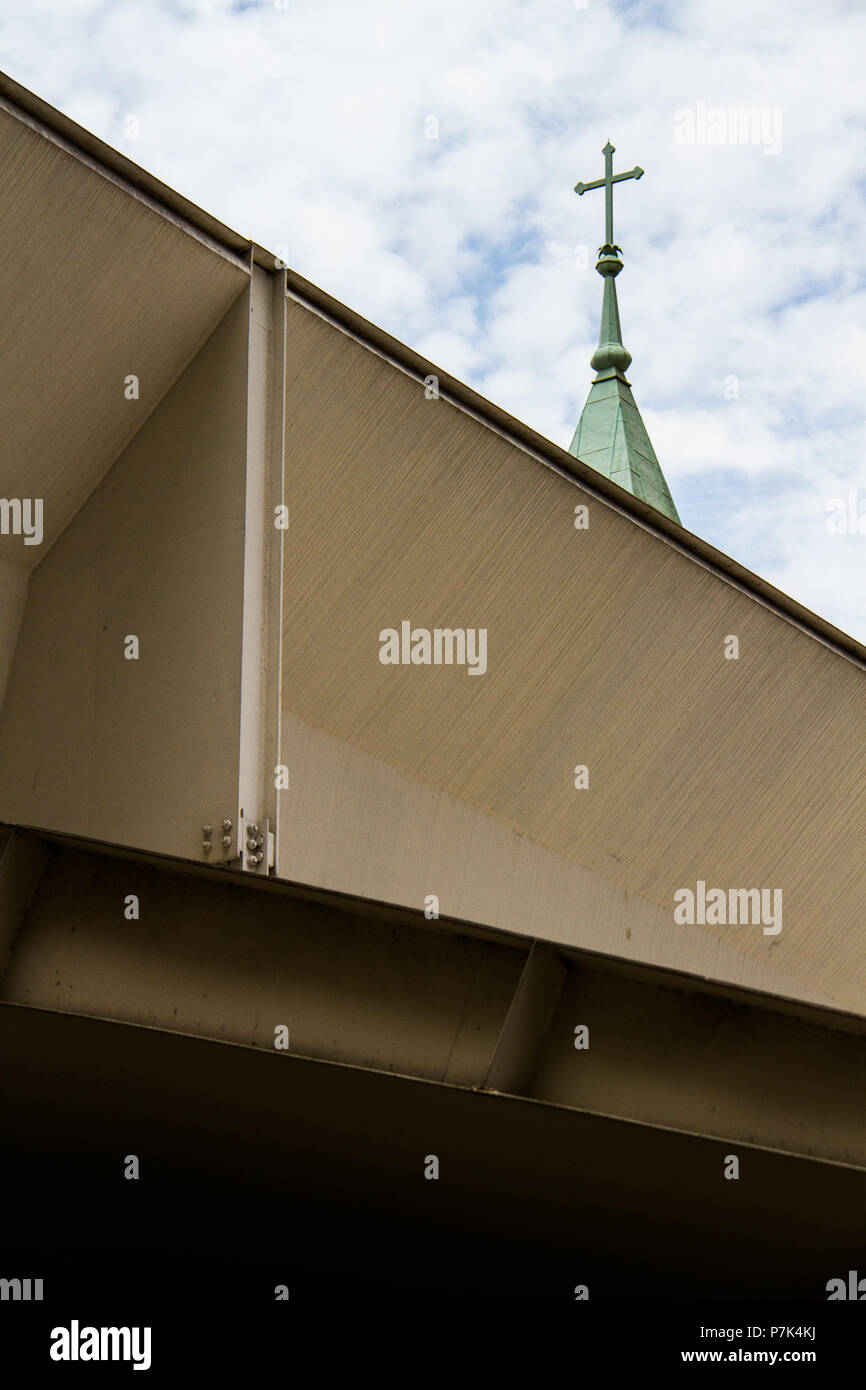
[607, 183]
[610, 358]
[611, 436]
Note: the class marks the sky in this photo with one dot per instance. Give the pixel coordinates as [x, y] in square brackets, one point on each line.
[418, 162]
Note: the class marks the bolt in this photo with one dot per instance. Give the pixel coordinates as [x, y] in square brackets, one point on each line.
[227, 825]
[226, 840]
[207, 831]
[206, 846]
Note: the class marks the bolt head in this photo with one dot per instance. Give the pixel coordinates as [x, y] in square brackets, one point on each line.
[207, 831]
[227, 825]
[226, 840]
[206, 846]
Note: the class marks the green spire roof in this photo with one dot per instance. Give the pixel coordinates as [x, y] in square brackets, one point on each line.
[611, 436]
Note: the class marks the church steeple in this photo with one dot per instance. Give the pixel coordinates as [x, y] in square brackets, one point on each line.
[611, 436]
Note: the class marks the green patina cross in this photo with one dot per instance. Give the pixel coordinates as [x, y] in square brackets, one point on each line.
[607, 183]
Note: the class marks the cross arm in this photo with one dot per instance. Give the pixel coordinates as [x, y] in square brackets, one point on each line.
[635, 173]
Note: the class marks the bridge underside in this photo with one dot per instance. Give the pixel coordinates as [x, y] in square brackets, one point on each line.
[259, 1167]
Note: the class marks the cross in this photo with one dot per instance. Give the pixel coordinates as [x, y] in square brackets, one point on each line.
[607, 183]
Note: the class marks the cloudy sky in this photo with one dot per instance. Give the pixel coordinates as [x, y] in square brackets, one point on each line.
[418, 161]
